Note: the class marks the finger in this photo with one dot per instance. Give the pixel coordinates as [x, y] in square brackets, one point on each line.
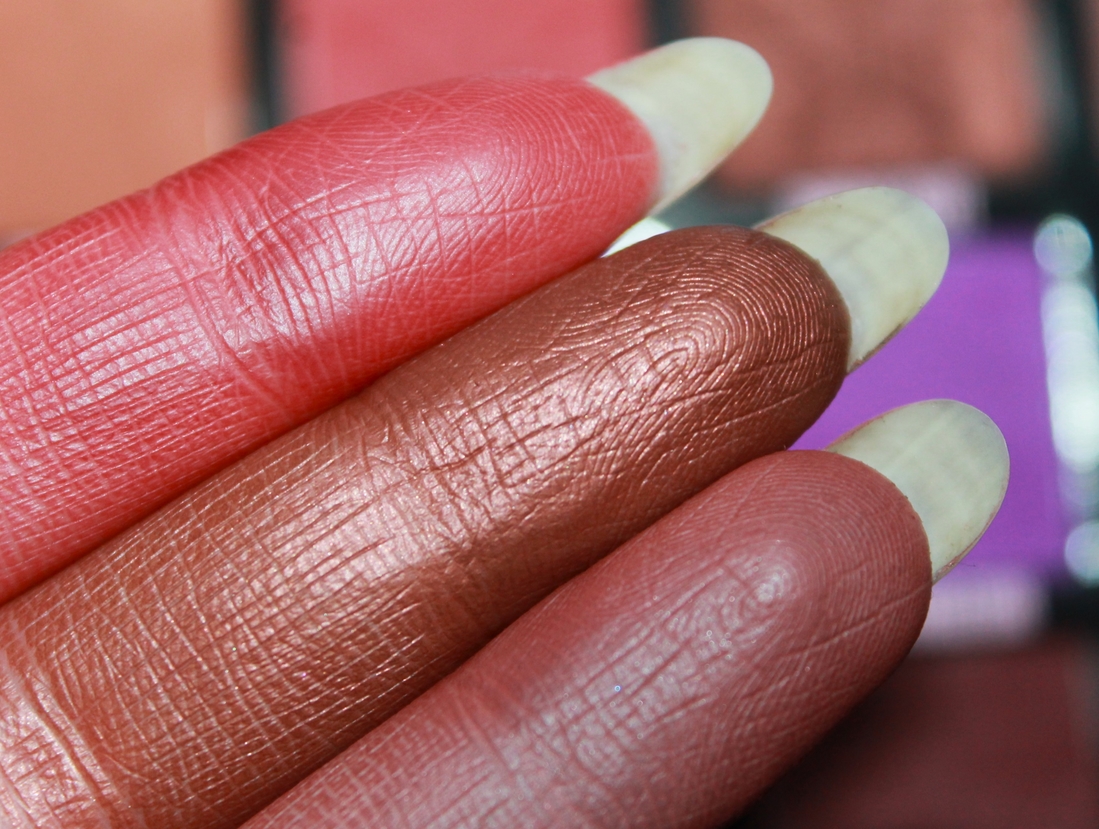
[956, 495]
[154, 340]
[888, 276]
[668, 685]
[243, 635]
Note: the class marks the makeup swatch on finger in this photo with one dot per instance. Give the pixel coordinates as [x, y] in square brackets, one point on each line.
[151, 342]
[241, 636]
[671, 683]
[271, 616]
[160, 337]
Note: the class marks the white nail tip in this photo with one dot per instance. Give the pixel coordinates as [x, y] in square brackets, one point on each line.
[699, 98]
[885, 250]
[647, 228]
[948, 459]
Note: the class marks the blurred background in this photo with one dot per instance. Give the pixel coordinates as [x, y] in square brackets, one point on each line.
[987, 109]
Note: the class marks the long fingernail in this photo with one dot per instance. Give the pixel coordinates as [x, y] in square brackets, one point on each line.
[885, 250]
[948, 459]
[699, 98]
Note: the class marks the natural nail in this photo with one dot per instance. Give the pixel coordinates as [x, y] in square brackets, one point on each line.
[699, 98]
[948, 459]
[885, 250]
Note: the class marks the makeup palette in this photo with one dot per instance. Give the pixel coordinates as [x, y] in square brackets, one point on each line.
[339, 50]
[100, 99]
[877, 83]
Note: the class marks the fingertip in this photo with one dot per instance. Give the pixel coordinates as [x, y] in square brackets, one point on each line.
[885, 250]
[951, 462]
[698, 98]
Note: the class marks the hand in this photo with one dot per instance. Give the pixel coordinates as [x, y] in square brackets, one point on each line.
[265, 564]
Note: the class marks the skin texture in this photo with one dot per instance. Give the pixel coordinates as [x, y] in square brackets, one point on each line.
[147, 344]
[198, 665]
[669, 684]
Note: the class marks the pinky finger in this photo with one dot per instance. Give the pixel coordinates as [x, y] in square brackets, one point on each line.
[672, 682]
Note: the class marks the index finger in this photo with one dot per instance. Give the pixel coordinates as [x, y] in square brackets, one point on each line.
[155, 340]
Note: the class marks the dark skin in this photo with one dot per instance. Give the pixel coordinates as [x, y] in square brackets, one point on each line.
[669, 684]
[204, 660]
[380, 545]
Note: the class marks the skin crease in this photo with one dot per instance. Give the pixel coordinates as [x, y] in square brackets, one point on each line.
[149, 343]
[197, 666]
[730, 636]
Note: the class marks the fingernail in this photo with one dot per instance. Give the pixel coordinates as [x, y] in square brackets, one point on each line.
[699, 98]
[948, 459]
[885, 250]
[647, 228]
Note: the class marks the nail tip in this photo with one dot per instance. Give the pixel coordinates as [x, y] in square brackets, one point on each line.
[885, 250]
[904, 217]
[951, 462]
[698, 97]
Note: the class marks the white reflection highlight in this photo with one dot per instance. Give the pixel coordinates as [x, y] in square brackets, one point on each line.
[1082, 553]
[1062, 246]
[1070, 330]
[1071, 333]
